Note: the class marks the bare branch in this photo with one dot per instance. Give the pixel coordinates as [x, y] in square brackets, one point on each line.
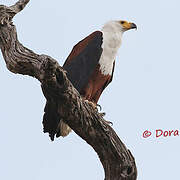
[116, 159]
[20, 5]
[7, 13]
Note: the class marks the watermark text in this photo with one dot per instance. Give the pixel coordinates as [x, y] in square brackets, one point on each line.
[159, 133]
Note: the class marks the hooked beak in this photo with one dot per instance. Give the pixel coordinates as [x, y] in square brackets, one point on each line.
[133, 26]
[129, 25]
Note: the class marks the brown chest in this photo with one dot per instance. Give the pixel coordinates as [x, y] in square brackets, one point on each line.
[96, 84]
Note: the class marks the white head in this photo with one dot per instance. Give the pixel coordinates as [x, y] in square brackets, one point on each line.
[118, 26]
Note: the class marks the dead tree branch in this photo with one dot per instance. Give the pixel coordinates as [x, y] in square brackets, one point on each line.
[116, 159]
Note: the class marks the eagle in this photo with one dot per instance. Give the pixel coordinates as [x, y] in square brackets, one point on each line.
[90, 68]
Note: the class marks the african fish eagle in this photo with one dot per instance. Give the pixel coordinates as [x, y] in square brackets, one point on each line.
[90, 68]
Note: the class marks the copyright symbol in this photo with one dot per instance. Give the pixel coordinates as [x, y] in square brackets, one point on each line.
[146, 134]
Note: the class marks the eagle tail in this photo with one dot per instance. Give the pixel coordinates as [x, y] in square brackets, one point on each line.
[53, 123]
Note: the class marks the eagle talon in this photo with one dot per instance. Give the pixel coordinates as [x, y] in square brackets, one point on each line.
[102, 114]
[100, 108]
[108, 122]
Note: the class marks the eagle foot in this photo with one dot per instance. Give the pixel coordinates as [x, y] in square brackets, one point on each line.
[107, 122]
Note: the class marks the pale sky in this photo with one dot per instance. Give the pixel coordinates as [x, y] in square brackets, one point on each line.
[144, 94]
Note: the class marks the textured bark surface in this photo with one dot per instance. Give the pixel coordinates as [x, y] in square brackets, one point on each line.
[116, 159]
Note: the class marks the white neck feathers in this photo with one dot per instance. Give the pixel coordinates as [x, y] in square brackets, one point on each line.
[112, 36]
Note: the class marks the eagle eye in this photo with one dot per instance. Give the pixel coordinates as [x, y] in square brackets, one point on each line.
[122, 22]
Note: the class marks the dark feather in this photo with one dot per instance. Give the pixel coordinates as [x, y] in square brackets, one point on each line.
[51, 119]
[80, 68]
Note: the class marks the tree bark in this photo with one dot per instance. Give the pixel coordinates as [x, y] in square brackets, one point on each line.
[116, 159]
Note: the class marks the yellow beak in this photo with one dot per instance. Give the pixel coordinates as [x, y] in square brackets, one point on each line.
[129, 25]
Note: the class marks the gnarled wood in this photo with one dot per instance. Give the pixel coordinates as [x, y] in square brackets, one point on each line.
[116, 159]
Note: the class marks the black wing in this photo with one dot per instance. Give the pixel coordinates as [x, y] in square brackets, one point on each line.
[83, 60]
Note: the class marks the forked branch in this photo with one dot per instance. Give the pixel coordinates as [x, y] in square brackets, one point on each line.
[116, 159]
